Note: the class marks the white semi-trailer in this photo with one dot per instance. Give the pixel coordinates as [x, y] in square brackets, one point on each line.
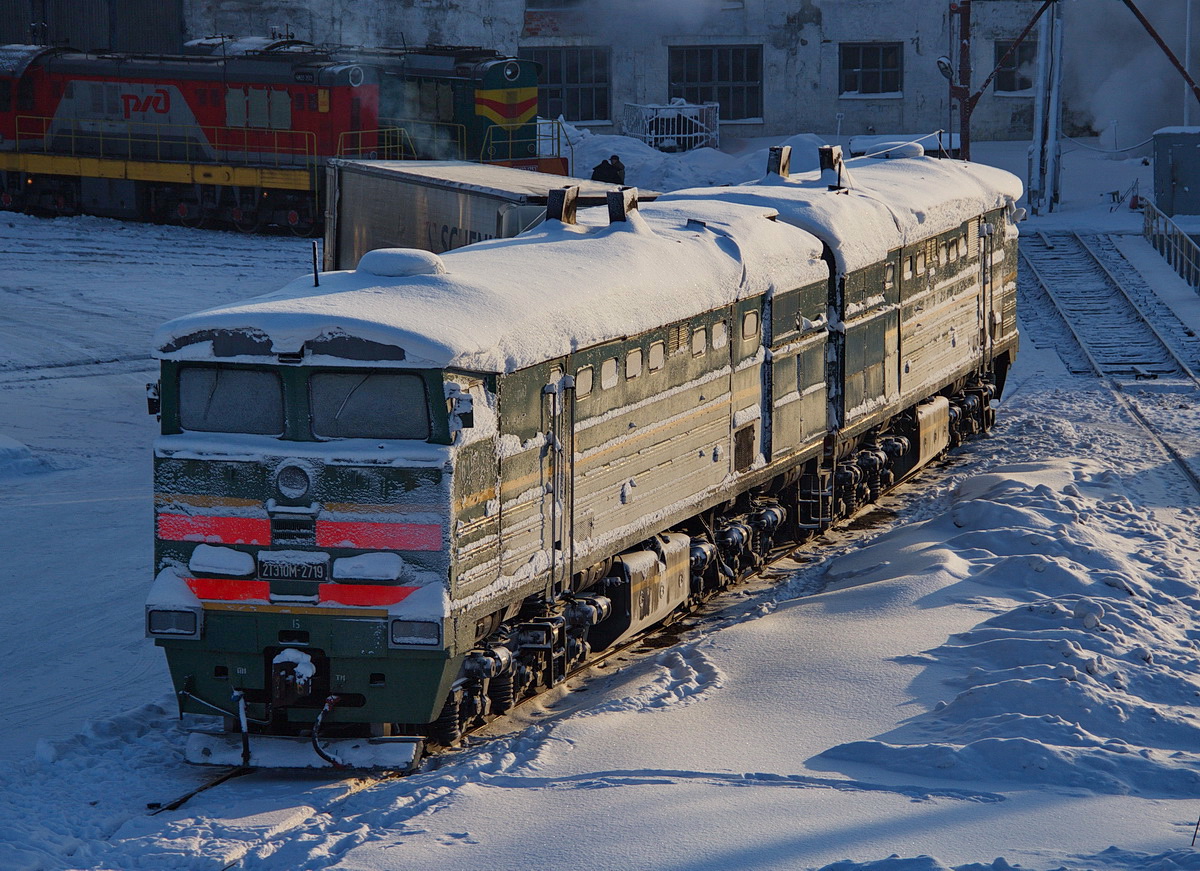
[435, 205]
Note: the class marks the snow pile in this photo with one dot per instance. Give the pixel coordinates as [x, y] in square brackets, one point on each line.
[649, 168]
[16, 458]
[1088, 676]
[505, 304]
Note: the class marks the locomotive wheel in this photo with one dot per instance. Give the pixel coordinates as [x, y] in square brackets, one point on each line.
[300, 225]
[192, 214]
[247, 221]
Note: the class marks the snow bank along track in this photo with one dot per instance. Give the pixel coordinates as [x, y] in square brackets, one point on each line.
[1123, 332]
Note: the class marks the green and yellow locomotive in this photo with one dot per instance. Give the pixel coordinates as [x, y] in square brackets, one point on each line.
[391, 504]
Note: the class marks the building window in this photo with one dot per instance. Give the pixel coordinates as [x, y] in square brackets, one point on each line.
[871, 68]
[574, 82]
[730, 75]
[1016, 73]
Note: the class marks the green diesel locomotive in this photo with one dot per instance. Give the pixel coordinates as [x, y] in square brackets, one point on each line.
[392, 502]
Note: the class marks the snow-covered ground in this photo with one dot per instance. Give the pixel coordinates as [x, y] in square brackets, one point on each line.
[999, 668]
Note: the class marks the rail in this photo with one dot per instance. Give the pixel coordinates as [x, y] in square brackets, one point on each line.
[1176, 246]
[182, 143]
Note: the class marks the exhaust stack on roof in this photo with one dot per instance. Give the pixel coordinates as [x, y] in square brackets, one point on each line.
[561, 204]
[779, 161]
[833, 168]
[621, 203]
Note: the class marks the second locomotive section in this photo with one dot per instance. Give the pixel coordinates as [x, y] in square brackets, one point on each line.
[239, 136]
[393, 504]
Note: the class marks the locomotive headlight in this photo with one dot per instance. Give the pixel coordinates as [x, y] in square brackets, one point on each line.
[512, 69]
[180, 624]
[292, 481]
[417, 632]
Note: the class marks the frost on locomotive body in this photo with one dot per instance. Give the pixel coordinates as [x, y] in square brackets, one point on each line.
[238, 134]
[395, 503]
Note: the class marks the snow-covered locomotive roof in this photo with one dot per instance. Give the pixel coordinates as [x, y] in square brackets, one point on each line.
[505, 304]
[502, 305]
[885, 204]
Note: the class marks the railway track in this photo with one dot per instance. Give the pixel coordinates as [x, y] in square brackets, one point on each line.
[1126, 334]
[1122, 333]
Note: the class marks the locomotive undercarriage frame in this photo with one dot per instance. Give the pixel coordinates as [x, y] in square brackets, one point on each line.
[247, 209]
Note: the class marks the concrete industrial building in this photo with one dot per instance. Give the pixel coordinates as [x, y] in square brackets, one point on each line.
[829, 66]
[775, 67]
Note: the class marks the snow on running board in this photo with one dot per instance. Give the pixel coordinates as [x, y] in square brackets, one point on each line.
[396, 753]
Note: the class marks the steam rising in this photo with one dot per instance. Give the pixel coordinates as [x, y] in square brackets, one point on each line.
[1114, 71]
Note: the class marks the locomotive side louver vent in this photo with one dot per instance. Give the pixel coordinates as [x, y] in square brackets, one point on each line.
[675, 339]
[291, 530]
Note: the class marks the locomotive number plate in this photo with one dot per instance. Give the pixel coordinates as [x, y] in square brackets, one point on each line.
[294, 566]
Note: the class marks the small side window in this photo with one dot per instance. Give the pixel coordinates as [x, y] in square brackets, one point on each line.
[750, 325]
[583, 382]
[943, 253]
[699, 341]
[608, 373]
[658, 354]
[889, 274]
[720, 334]
[908, 267]
[633, 363]
[921, 263]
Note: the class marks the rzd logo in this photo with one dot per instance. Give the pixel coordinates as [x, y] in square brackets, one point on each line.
[159, 101]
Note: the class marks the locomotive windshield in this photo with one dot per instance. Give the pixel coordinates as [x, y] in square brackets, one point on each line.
[215, 399]
[375, 405]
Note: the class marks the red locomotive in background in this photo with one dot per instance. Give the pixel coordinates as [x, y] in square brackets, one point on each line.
[237, 130]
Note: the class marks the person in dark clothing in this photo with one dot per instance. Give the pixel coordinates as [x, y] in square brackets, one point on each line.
[618, 169]
[611, 170]
[603, 171]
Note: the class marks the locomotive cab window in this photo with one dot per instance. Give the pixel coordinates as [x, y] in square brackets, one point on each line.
[370, 405]
[749, 325]
[216, 399]
[699, 341]
[921, 263]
